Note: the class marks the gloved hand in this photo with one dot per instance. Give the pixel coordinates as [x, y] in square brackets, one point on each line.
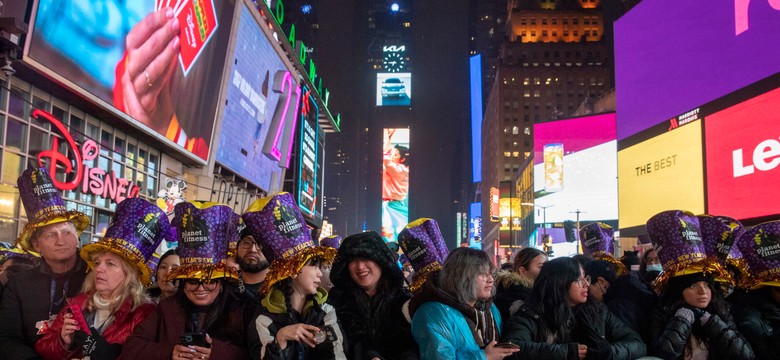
[686, 313]
[598, 347]
[96, 346]
[700, 316]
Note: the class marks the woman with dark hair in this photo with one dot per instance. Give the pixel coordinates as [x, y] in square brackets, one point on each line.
[649, 266]
[369, 296]
[559, 322]
[458, 320]
[202, 320]
[294, 321]
[164, 288]
[516, 284]
[693, 322]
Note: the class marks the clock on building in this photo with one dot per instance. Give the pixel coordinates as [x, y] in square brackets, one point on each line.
[394, 62]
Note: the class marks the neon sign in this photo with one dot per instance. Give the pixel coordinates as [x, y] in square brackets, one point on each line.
[94, 181]
[284, 117]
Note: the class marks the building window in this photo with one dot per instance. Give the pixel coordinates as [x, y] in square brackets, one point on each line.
[527, 130]
[515, 130]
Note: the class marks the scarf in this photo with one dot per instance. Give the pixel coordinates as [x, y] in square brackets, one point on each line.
[102, 313]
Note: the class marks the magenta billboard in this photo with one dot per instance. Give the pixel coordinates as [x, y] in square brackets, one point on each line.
[672, 56]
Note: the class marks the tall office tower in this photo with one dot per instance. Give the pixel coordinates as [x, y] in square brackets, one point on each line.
[553, 57]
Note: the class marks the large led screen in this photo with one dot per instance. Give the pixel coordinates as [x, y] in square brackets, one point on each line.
[575, 169]
[743, 158]
[310, 162]
[671, 56]
[261, 105]
[395, 182]
[393, 89]
[662, 173]
[159, 69]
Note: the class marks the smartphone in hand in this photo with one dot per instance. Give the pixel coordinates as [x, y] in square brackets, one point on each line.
[196, 339]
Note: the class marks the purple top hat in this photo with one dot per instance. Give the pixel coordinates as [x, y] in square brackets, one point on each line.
[43, 205]
[204, 229]
[333, 241]
[597, 242]
[718, 234]
[278, 226]
[134, 233]
[677, 239]
[421, 241]
[234, 238]
[760, 247]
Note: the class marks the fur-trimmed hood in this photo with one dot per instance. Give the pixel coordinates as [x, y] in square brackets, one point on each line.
[508, 279]
[367, 245]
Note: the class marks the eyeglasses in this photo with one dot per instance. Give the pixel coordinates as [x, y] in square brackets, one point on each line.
[491, 275]
[248, 244]
[584, 281]
[194, 284]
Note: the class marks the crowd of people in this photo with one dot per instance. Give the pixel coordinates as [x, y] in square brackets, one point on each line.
[256, 285]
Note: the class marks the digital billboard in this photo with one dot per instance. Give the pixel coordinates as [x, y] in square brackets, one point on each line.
[662, 173]
[159, 69]
[475, 76]
[310, 162]
[395, 182]
[743, 155]
[673, 56]
[393, 89]
[475, 225]
[575, 168]
[261, 106]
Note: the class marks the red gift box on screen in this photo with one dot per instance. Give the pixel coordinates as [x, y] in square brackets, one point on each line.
[198, 22]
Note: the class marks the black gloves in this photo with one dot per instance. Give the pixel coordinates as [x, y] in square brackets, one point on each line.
[96, 346]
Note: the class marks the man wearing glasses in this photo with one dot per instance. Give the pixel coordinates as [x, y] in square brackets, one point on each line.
[253, 265]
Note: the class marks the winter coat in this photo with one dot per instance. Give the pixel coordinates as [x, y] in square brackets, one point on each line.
[669, 334]
[758, 319]
[125, 321]
[27, 301]
[375, 326]
[510, 287]
[527, 328]
[156, 337]
[274, 316]
[443, 333]
[632, 301]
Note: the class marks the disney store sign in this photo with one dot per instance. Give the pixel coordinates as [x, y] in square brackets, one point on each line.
[89, 180]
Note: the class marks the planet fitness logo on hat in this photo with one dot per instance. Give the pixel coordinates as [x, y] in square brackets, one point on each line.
[286, 222]
[147, 229]
[197, 233]
[768, 245]
[688, 232]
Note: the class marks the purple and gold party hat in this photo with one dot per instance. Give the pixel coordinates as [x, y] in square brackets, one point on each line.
[597, 242]
[43, 205]
[203, 229]
[760, 247]
[278, 226]
[676, 237]
[333, 241]
[423, 244]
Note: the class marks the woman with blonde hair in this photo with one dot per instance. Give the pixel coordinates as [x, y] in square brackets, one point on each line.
[113, 301]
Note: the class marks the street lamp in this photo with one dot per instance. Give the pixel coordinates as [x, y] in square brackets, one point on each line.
[544, 213]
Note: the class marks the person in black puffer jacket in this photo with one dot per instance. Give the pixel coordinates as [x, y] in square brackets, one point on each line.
[692, 321]
[369, 295]
[626, 296]
[757, 314]
[516, 284]
[559, 322]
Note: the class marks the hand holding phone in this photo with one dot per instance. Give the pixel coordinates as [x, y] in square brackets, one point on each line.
[325, 335]
[507, 345]
[194, 339]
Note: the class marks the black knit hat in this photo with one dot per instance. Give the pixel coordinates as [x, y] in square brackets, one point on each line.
[367, 245]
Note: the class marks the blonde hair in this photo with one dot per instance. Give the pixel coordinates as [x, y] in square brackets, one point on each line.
[130, 288]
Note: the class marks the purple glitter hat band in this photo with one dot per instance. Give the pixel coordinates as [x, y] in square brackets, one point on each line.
[333, 241]
[718, 235]
[597, 239]
[760, 247]
[278, 225]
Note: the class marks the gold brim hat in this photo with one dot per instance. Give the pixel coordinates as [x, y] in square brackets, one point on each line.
[136, 230]
[423, 244]
[278, 226]
[203, 230]
[44, 206]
